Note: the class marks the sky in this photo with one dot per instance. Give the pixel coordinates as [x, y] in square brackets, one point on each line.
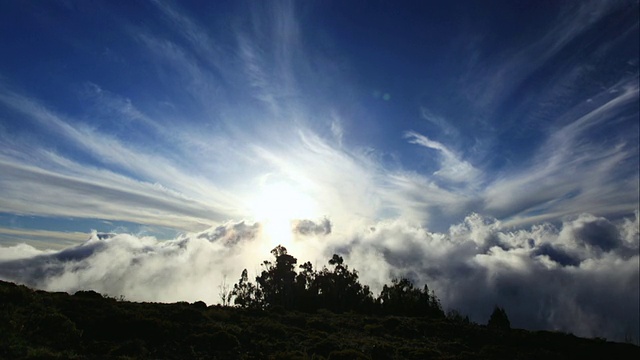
[154, 149]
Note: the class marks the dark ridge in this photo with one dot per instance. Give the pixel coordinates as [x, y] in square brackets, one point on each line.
[87, 325]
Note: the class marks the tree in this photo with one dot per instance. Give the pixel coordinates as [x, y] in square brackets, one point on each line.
[402, 298]
[499, 319]
[277, 281]
[335, 288]
[247, 295]
[339, 289]
[455, 316]
[225, 292]
[306, 289]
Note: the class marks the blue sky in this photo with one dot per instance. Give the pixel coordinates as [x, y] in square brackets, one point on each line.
[161, 118]
[514, 111]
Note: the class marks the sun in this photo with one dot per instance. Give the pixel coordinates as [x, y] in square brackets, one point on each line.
[276, 206]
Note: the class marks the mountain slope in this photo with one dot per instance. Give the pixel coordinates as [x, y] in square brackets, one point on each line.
[38, 324]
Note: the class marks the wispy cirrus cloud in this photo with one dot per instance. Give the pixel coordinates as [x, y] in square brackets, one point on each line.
[452, 168]
[100, 195]
[571, 171]
[196, 36]
[284, 141]
[495, 79]
[138, 181]
[15, 241]
[440, 122]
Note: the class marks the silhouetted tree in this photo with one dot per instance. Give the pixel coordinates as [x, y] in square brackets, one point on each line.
[247, 295]
[277, 281]
[499, 319]
[339, 289]
[335, 288]
[455, 316]
[306, 289]
[225, 292]
[402, 298]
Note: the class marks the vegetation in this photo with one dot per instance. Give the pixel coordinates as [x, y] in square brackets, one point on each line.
[499, 319]
[335, 288]
[311, 314]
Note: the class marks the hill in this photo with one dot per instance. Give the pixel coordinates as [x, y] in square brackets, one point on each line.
[86, 325]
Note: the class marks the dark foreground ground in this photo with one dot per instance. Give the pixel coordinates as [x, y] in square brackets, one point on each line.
[41, 325]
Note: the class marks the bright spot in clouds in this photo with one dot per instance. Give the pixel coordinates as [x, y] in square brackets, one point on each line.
[277, 205]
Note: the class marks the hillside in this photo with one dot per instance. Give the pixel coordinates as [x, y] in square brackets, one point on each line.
[86, 325]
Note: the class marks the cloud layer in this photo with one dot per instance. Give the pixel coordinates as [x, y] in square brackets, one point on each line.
[581, 277]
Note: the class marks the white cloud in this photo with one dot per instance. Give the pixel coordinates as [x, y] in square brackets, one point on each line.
[41, 239]
[495, 80]
[452, 168]
[572, 172]
[40, 181]
[21, 251]
[543, 275]
[99, 194]
[440, 122]
[337, 129]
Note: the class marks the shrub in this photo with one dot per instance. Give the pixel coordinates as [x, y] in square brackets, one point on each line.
[223, 340]
[375, 329]
[323, 347]
[320, 325]
[200, 305]
[88, 294]
[289, 355]
[272, 328]
[55, 330]
[133, 348]
[218, 341]
[381, 351]
[391, 323]
[348, 354]
[295, 320]
[11, 293]
[499, 319]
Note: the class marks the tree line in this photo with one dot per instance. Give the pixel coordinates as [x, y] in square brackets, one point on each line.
[334, 287]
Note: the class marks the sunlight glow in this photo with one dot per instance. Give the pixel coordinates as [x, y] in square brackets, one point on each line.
[277, 205]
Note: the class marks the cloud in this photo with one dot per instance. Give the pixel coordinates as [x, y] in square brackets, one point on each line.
[113, 106]
[199, 163]
[181, 69]
[20, 251]
[572, 169]
[308, 227]
[452, 168]
[196, 36]
[545, 277]
[147, 187]
[336, 129]
[499, 76]
[141, 268]
[440, 122]
[34, 190]
[45, 239]
[231, 234]
[343, 183]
